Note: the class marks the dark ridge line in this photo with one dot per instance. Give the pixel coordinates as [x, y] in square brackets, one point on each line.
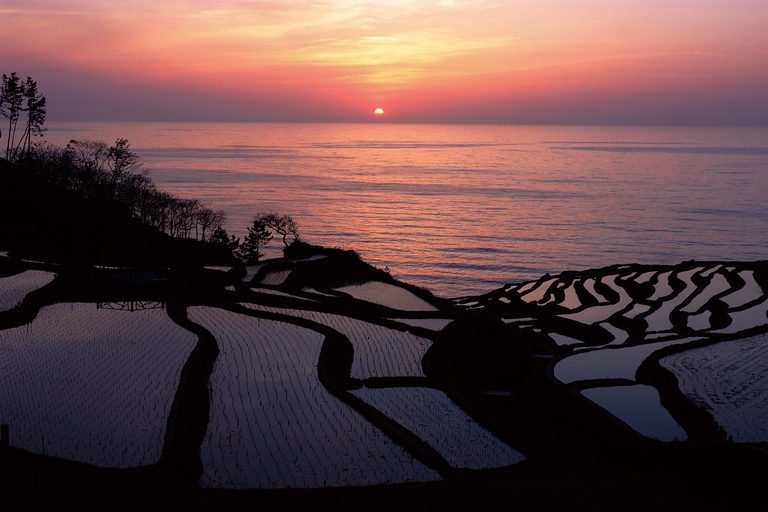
[625, 269]
[607, 291]
[24, 313]
[267, 268]
[518, 422]
[33, 302]
[190, 410]
[401, 382]
[586, 299]
[701, 283]
[349, 305]
[581, 385]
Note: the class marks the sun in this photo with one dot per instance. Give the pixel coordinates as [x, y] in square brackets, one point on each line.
[379, 112]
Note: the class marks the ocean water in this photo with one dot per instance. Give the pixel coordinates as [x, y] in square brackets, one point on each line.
[464, 209]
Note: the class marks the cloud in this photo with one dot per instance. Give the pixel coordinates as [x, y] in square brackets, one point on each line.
[346, 54]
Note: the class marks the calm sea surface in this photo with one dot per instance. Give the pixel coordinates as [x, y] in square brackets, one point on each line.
[464, 209]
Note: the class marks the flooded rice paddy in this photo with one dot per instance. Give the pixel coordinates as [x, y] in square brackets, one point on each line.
[612, 320]
[92, 384]
[96, 382]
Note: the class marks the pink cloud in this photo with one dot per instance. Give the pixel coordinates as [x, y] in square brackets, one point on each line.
[333, 60]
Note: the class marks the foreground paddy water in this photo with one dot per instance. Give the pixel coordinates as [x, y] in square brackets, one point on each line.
[95, 382]
[92, 384]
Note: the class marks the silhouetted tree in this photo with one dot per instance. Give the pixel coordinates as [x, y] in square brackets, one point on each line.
[49, 162]
[94, 170]
[208, 220]
[220, 236]
[258, 236]
[106, 171]
[87, 161]
[36, 112]
[122, 162]
[11, 106]
[283, 225]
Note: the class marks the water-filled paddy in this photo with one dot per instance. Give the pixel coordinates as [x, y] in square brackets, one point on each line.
[274, 425]
[431, 415]
[92, 385]
[640, 407]
[609, 363]
[14, 288]
[728, 379]
[388, 295]
[378, 351]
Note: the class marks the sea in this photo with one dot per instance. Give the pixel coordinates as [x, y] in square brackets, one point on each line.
[465, 209]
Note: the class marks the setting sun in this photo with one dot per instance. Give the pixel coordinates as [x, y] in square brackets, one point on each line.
[524, 62]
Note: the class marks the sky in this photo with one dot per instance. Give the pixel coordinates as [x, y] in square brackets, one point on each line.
[625, 62]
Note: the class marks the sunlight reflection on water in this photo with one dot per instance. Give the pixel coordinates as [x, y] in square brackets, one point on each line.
[463, 209]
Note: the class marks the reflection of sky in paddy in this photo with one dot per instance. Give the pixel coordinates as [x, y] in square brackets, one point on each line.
[750, 317]
[614, 363]
[639, 407]
[602, 312]
[92, 384]
[388, 295]
[274, 425]
[718, 284]
[749, 292]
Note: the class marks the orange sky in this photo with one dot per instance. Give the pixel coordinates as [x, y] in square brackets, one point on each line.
[508, 61]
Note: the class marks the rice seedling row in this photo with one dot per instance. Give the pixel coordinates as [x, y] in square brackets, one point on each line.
[432, 416]
[14, 288]
[659, 307]
[728, 379]
[274, 425]
[379, 351]
[92, 385]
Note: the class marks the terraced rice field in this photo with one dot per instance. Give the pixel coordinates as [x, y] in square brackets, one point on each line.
[385, 294]
[730, 379]
[14, 288]
[92, 385]
[379, 351]
[431, 415]
[663, 307]
[640, 407]
[96, 385]
[274, 425]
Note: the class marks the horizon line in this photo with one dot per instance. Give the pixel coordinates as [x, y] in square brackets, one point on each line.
[439, 123]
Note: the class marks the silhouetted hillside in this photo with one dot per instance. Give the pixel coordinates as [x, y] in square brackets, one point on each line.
[40, 219]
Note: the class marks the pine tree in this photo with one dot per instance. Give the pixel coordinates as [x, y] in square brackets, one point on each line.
[258, 236]
[36, 112]
[283, 225]
[11, 106]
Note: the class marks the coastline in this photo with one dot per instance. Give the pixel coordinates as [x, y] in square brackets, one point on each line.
[495, 356]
